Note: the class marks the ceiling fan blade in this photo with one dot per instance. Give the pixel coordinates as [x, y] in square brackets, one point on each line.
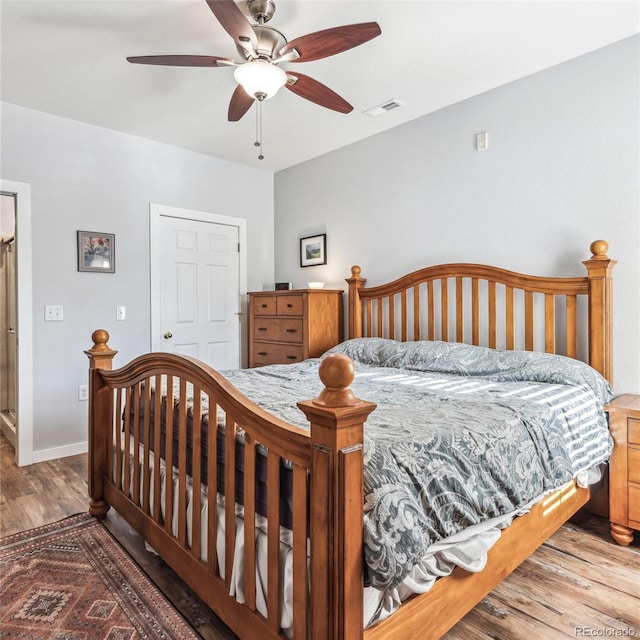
[234, 23]
[183, 61]
[315, 91]
[328, 42]
[240, 103]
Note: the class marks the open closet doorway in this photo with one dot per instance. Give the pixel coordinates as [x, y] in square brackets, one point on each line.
[8, 317]
[16, 320]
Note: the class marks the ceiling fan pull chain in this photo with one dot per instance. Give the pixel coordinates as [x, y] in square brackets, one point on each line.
[258, 142]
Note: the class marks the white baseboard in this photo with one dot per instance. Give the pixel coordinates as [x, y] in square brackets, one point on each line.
[43, 455]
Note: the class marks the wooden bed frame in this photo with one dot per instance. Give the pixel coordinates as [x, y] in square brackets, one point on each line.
[483, 305]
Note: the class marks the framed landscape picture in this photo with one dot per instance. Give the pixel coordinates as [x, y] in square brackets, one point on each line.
[313, 250]
[96, 252]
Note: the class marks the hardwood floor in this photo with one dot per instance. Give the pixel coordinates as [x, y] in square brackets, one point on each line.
[578, 584]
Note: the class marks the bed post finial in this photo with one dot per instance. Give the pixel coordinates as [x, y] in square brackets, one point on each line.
[337, 372]
[599, 268]
[100, 338]
[100, 415]
[101, 354]
[599, 250]
[355, 308]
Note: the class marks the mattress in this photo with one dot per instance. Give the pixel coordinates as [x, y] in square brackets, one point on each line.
[286, 476]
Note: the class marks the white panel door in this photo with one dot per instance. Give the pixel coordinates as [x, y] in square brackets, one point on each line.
[200, 290]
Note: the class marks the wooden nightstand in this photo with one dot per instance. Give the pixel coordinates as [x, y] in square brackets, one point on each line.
[290, 326]
[624, 468]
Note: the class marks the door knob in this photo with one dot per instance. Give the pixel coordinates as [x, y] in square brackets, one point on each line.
[168, 335]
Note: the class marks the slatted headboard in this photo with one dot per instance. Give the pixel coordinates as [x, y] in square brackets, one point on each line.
[485, 305]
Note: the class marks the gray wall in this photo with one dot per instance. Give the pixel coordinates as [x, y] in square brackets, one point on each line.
[89, 178]
[561, 170]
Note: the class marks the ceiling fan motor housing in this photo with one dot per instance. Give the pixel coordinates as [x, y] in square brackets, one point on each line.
[261, 10]
[270, 41]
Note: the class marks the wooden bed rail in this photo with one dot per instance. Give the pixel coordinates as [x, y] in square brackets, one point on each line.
[447, 302]
[327, 473]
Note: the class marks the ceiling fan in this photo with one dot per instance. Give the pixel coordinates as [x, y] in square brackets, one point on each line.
[264, 48]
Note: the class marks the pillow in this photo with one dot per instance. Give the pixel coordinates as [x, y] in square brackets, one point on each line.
[455, 358]
[500, 365]
[372, 351]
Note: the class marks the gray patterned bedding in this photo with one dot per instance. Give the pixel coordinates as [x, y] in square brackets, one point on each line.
[461, 434]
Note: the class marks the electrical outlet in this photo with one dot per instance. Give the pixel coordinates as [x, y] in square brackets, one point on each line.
[83, 392]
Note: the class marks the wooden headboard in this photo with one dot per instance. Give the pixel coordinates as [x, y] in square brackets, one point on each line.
[484, 305]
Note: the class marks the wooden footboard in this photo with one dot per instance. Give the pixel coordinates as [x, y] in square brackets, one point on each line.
[130, 469]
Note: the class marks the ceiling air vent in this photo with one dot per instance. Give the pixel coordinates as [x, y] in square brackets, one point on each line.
[389, 105]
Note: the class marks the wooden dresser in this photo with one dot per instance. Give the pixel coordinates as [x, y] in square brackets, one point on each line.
[290, 326]
[624, 468]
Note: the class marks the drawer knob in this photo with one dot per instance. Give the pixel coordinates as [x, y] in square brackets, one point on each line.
[262, 328]
[291, 357]
[292, 331]
[264, 306]
[289, 305]
[262, 353]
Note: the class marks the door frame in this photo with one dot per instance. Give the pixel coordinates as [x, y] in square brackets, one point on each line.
[156, 211]
[24, 320]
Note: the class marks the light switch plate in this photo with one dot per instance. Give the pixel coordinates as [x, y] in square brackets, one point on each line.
[482, 141]
[53, 313]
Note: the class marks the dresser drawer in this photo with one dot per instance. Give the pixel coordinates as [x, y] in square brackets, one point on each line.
[634, 503]
[278, 329]
[271, 353]
[633, 468]
[633, 427]
[263, 305]
[289, 305]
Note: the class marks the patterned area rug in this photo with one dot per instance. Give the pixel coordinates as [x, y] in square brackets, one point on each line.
[72, 581]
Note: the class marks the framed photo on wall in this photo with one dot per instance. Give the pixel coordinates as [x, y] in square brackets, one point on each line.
[313, 250]
[96, 252]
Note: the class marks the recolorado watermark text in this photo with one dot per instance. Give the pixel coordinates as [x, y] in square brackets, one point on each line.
[605, 632]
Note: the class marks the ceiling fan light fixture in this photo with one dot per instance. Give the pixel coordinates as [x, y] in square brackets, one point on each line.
[260, 78]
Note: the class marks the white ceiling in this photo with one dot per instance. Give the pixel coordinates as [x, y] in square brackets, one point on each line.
[68, 57]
